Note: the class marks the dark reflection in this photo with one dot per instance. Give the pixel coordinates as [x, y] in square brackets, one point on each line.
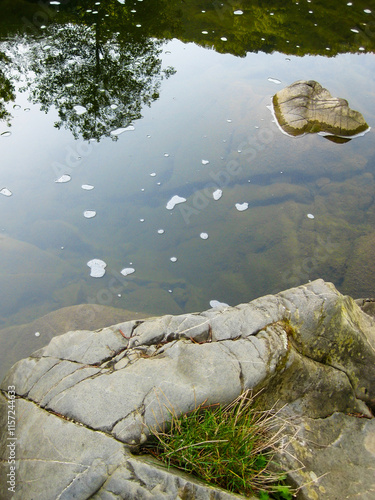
[97, 79]
[105, 56]
[6, 88]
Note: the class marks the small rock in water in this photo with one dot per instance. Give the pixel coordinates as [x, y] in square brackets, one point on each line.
[306, 107]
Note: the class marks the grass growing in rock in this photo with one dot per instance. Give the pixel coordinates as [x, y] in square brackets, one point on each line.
[228, 446]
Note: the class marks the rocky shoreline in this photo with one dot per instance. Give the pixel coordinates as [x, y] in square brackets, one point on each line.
[85, 402]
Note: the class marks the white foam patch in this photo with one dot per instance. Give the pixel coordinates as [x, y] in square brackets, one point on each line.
[204, 236]
[87, 187]
[97, 268]
[6, 192]
[217, 194]
[274, 80]
[127, 270]
[89, 214]
[80, 110]
[175, 200]
[216, 303]
[63, 178]
[120, 131]
[242, 206]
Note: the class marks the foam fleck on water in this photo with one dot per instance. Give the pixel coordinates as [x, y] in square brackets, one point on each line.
[120, 131]
[6, 192]
[174, 201]
[89, 214]
[63, 178]
[242, 206]
[216, 303]
[217, 194]
[127, 270]
[97, 267]
[80, 110]
[273, 80]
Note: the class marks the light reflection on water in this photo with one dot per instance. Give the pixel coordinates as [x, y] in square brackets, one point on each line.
[209, 132]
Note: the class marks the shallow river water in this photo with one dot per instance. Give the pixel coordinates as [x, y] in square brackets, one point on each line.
[117, 108]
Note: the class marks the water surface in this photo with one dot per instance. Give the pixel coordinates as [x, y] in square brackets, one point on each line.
[127, 110]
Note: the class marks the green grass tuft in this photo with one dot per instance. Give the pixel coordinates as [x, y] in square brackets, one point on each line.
[228, 446]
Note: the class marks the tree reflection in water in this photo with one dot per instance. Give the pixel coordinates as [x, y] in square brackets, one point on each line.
[97, 79]
[6, 88]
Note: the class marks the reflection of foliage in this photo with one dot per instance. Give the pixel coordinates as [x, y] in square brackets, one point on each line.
[6, 89]
[297, 28]
[110, 78]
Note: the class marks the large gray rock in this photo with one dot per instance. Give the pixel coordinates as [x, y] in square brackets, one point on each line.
[306, 107]
[310, 349]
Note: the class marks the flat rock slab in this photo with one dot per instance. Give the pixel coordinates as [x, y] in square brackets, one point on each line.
[87, 401]
[306, 107]
[338, 457]
[58, 459]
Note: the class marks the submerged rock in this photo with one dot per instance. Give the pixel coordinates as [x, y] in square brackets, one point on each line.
[87, 400]
[306, 107]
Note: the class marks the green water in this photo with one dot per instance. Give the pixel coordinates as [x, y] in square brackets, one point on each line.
[189, 81]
